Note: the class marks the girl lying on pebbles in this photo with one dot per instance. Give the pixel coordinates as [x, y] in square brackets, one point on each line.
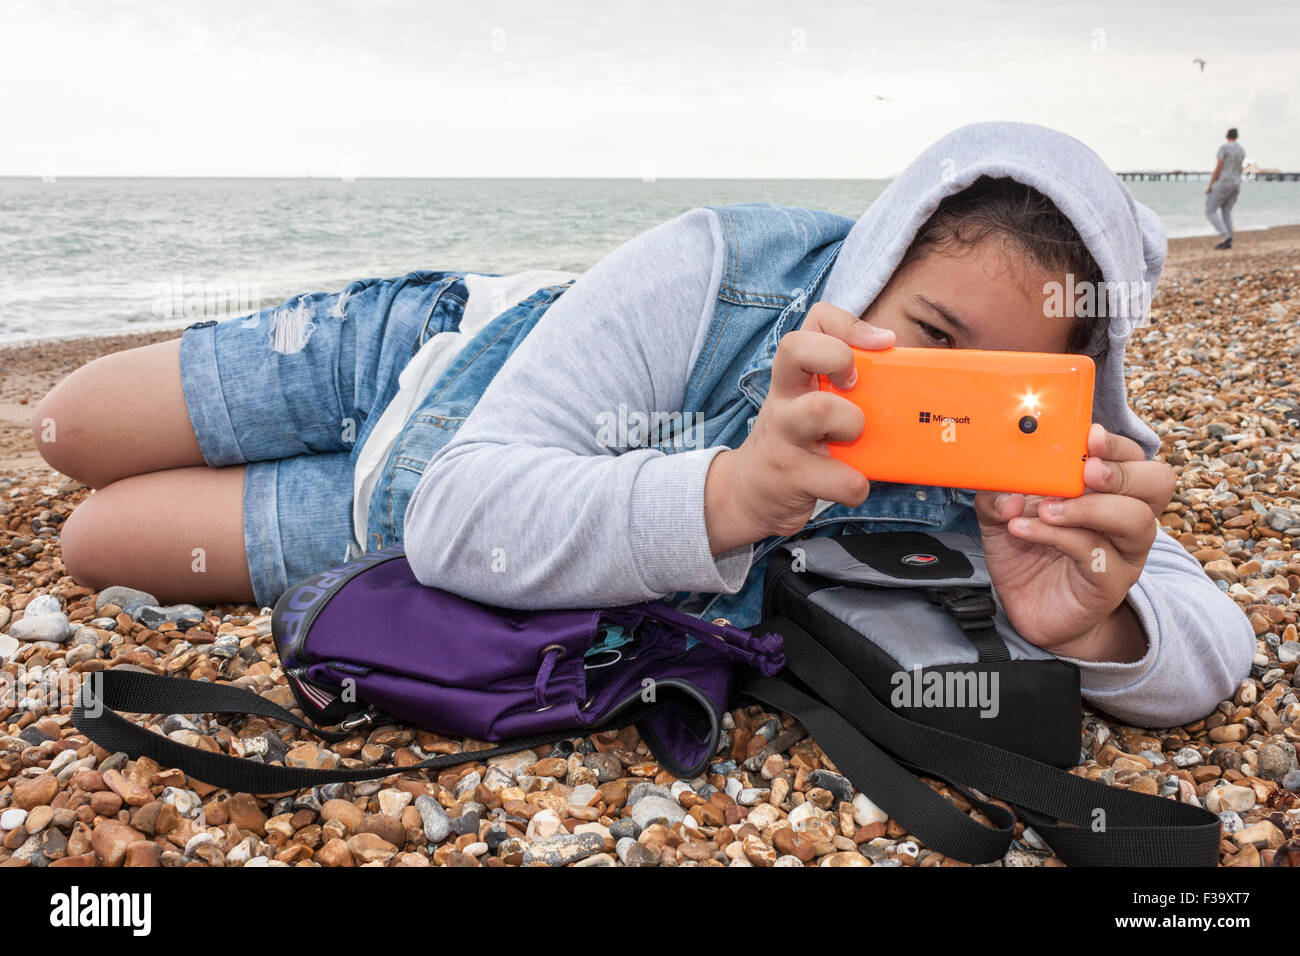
[470, 417]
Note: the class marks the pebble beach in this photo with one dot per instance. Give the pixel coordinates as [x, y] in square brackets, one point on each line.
[1214, 373]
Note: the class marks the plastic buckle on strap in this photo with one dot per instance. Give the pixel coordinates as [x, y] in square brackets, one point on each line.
[966, 606]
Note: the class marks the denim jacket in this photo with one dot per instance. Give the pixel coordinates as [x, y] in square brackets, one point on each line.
[777, 259]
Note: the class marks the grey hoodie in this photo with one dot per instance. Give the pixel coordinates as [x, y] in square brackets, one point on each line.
[574, 524]
[1125, 238]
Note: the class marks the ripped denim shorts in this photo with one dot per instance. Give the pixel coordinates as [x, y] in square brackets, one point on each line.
[292, 392]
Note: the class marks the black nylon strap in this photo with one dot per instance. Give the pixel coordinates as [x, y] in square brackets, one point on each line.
[988, 642]
[900, 794]
[1110, 826]
[143, 693]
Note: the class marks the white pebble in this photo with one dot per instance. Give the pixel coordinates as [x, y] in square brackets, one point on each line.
[393, 801]
[866, 813]
[43, 604]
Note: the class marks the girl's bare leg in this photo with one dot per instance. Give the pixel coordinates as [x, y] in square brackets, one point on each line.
[177, 533]
[160, 519]
[121, 414]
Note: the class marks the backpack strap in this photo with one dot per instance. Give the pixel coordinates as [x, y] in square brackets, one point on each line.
[1085, 822]
[972, 609]
[95, 715]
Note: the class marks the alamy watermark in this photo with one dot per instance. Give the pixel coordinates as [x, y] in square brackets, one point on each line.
[1119, 299]
[954, 688]
[638, 429]
[181, 299]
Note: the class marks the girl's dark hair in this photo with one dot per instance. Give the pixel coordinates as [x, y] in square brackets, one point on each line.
[1026, 219]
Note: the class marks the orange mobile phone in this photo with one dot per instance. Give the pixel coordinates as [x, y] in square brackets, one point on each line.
[971, 418]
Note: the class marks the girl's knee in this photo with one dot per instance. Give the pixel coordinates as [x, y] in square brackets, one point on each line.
[54, 427]
[89, 540]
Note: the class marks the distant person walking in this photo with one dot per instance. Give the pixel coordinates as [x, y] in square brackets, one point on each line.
[1221, 194]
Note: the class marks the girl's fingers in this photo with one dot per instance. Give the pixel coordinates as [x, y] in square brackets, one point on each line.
[803, 355]
[1112, 447]
[832, 480]
[832, 320]
[1126, 522]
[819, 416]
[1117, 465]
[1079, 544]
[1150, 482]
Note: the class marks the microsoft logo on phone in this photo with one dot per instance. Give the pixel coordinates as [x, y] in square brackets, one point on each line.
[926, 418]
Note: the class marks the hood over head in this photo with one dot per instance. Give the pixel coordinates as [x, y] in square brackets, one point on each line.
[1126, 239]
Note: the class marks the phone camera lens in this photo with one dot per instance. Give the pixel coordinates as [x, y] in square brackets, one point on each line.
[1028, 424]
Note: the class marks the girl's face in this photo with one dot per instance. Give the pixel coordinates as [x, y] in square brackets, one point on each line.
[980, 296]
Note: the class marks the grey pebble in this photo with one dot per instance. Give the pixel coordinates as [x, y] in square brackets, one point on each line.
[644, 789]
[436, 822]
[624, 827]
[495, 836]
[128, 599]
[307, 801]
[562, 748]
[178, 722]
[114, 761]
[652, 808]
[1280, 519]
[606, 766]
[837, 784]
[873, 853]
[150, 615]
[621, 846]
[564, 848]
[467, 822]
[276, 749]
[339, 791]
[1231, 822]
[468, 784]
[33, 735]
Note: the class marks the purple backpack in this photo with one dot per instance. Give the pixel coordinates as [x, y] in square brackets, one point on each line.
[365, 642]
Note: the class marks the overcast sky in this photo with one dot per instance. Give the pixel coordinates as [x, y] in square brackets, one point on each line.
[665, 89]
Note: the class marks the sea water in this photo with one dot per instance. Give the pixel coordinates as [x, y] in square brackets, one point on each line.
[82, 256]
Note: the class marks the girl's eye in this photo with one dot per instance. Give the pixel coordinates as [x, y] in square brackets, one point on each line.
[934, 334]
